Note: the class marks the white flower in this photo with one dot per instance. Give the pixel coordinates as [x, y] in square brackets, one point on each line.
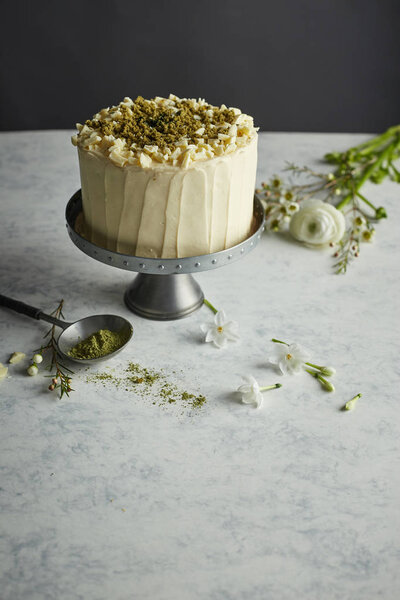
[290, 358]
[221, 331]
[251, 393]
[317, 223]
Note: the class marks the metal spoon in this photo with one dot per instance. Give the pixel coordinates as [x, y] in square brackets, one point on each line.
[75, 332]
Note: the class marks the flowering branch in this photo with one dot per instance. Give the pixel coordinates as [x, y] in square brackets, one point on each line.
[61, 378]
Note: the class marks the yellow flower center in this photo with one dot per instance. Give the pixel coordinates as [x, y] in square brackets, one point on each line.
[289, 356]
[220, 329]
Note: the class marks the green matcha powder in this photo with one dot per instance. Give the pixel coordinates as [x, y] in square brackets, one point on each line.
[99, 344]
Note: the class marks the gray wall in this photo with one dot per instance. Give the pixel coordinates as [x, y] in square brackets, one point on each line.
[296, 65]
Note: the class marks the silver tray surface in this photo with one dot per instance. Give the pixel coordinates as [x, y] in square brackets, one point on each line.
[163, 266]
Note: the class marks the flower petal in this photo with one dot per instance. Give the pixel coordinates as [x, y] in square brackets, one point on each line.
[248, 398]
[244, 389]
[259, 400]
[231, 330]
[219, 339]
[210, 336]
[220, 318]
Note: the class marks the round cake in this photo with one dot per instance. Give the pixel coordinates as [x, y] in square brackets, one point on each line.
[167, 177]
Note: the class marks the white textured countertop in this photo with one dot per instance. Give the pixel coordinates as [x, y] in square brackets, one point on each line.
[106, 495]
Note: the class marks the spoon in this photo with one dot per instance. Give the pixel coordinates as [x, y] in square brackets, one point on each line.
[74, 332]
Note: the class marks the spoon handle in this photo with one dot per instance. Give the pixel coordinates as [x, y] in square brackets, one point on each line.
[30, 311]
[25, 309]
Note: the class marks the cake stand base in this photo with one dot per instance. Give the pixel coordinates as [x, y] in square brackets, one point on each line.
[163, 298]
[164, 289]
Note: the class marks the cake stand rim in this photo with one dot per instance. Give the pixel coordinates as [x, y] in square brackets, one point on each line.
[163, 266]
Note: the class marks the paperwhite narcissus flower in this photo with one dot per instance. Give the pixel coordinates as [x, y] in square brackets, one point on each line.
[317, 223]
[289, 358]
[251, 391]
[221, 331]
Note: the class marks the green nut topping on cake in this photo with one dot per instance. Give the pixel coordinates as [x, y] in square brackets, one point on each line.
[176, 131]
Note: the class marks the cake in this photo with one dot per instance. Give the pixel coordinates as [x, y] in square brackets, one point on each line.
[167, 177]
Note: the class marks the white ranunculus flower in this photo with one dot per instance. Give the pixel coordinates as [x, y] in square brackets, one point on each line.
[317, 223]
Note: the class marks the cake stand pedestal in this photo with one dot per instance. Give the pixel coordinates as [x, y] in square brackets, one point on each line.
[164, 288]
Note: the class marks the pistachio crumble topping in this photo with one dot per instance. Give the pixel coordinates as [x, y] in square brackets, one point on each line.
[175, 131]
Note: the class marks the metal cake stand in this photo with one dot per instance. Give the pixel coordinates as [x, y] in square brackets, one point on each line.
[164, 288]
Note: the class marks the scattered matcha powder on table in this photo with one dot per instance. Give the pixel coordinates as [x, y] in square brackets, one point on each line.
[148, 383]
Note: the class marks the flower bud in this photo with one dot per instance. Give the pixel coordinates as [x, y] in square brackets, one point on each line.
[380, 213]
[37, 358]
[328, 386]
[32, 370]
[51, 387]
[328, 371]
[359, 221]
[368, 235]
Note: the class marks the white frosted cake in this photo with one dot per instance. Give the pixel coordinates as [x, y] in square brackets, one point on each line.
[167, 177]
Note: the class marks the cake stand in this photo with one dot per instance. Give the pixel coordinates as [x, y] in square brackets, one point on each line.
[164, 288]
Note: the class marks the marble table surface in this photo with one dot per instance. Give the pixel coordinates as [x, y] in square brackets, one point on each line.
[113, 493]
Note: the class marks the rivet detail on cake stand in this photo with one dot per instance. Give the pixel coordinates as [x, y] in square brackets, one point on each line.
[164, 288]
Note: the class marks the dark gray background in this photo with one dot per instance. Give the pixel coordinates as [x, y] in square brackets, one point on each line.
[295, 65]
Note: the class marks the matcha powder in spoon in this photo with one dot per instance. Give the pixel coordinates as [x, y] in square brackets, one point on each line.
[99, 344]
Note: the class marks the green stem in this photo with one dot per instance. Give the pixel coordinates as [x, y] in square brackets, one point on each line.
[210, 306]
[368, 172]
[373, 146]
[364, 199]
[270, 387]
[313, 373]
[279, 342]
[379, 139]
[314, 366]
[394, 169]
